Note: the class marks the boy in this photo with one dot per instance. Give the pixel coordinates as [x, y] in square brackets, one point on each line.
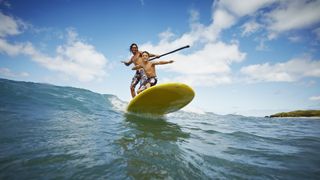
[149, 69]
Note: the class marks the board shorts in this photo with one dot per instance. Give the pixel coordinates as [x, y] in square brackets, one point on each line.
[152, 81]
[140, 76]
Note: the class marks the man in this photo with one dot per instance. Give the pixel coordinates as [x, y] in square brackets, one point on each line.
[150, 70]
[136, 60]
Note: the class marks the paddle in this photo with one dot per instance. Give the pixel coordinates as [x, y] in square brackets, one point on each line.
[187, 46]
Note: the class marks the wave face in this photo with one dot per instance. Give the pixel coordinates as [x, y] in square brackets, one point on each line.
[62, 132]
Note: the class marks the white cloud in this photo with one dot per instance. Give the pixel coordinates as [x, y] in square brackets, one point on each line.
[11, 49]
[250, 28]
[295, 38]
[9, 25]
[209, 62]
[198, 33]
[206, 80]
[223, 19]
[266, 72]
[6, 72]
[207, 66]
[75, 58]
[293, 14]
[212, 58]
[224, 15]
[243, 8]
[289, 71]
[166, 36]
[262, 45]
[282, 16]
[315, 98]
[194, 16]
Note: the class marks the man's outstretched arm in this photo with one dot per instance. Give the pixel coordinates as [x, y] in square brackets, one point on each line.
[127, 63]
[137, 67]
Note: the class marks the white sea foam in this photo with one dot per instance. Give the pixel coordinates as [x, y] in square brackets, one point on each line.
[194, 109]
[118, 104]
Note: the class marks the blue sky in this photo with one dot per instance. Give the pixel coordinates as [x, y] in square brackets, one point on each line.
[246, 57]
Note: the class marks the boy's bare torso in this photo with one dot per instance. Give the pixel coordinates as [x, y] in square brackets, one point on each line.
[149, 69]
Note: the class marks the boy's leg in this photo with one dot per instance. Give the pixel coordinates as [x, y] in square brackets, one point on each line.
[144, 87]
[148, 83]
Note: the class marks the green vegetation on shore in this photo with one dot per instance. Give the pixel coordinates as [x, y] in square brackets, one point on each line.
[299, 113]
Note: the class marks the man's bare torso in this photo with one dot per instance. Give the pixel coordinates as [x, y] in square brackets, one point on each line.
[136, 59]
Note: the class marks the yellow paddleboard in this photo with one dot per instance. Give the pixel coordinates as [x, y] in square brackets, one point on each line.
[161, 99]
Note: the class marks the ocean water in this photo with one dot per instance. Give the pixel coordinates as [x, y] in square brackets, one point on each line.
[51, 132]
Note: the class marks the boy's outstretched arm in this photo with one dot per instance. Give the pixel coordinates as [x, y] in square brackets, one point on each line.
[163, 62]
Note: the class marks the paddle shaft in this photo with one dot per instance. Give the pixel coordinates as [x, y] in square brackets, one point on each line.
[187, 46]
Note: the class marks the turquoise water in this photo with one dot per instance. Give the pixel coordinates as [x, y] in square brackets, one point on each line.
[49, 132]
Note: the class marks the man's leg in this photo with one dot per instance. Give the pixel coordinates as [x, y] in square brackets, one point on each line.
[132, 90]
[133, 85]
[135, 80]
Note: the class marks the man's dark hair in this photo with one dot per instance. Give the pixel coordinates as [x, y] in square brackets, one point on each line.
[133, 44]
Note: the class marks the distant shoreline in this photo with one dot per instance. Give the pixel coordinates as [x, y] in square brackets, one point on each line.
[298, 113]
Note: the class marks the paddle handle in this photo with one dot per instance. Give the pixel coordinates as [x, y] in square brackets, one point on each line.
[187, 46]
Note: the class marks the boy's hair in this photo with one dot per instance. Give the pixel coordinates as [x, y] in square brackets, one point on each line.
[145, 52]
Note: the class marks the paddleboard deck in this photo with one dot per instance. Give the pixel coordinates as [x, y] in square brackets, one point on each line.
[162, 99]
